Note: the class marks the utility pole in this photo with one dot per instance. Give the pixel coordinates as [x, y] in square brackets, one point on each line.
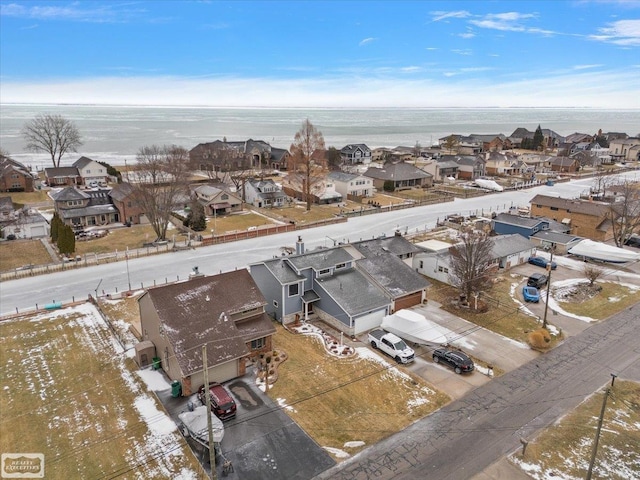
[546, 302]
[212, 448]
[600, 419]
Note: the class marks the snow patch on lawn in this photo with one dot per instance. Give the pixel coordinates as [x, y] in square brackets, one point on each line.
[283, 404]
[336, 452]
[354, 444]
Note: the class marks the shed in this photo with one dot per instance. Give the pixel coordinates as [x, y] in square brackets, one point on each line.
[145, 353]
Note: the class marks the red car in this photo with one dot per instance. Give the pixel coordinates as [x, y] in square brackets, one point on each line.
[222, 404]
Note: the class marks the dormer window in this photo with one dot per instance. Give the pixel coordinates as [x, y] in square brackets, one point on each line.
[324, 271]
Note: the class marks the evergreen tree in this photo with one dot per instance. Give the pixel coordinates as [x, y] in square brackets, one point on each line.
[55, 227]
[66, 240]
[198, 221]
[538, 139]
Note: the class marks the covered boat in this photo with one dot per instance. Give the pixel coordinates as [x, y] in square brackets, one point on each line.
[415, 328]
[194, 424]
[602, 252]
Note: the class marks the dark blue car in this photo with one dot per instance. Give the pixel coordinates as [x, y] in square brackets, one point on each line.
[542, 262]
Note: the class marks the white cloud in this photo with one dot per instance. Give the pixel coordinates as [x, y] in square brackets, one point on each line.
[596, 89]
[622, 32]
[509, 21]
[458, 51]
[411, 69]
[95, 14]
[366, 41]
[438, 16]
[467, 35]
[586, 67]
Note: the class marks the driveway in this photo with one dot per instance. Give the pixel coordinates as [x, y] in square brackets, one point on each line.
[261, 442]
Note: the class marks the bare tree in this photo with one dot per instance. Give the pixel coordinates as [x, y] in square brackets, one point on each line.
[307, 140]
[52, 134]
[161, 175]
[592, 273]
[625, 214]
[602, 180]
[471, 263]
[451, 143]
[417, 149]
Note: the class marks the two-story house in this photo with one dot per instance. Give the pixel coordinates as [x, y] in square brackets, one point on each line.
[81, 209]
[217, 201]
[341, 285]
[14, 176]
[352, 185]
[470, 167]
[625, 149]
[24, 222]
[586, 218]
[355, 153]
[263, 193]
[91, 172]
[126, 199]
[225, 312]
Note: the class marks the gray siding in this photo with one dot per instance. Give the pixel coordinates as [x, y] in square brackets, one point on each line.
[330, 306]
[270, 288]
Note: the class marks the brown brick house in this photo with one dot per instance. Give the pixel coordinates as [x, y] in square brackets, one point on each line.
[226, 312]
[14, 176]
[587, 219]
[124, 198]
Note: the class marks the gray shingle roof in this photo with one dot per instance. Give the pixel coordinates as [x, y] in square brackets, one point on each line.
[281, 270]
[70, 193]
[395, 276]
[395, 244]
[555, 237]
[342, 286]
[397, 171]
[82, 162]
[572, 205]
[504, 245]
[518, 220]
[320, 259]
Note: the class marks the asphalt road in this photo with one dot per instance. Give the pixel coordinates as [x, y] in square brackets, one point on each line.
[77, 284]
[465, 437]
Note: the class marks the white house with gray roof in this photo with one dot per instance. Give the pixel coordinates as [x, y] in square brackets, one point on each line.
[264, 193]
[355, 153]
[349, 184]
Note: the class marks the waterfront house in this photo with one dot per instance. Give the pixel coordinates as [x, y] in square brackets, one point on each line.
[14, 176]
[263, 193]
[399, 176]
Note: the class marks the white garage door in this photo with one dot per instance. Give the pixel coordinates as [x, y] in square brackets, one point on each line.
[369, 321]
[38, 231]
[224, 372]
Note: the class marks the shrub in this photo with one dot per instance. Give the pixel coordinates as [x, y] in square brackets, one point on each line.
[539, 338]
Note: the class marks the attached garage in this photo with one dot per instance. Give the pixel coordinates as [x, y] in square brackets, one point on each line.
[368, 321]
[408, 301]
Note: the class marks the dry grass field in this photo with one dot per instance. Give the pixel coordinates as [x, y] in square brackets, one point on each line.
[119, 239]
[563, 450]
[19, 253]
[238, 221]
[613, 298]
[502, 316]
[324, 394]
[39, 197]
[68, 392]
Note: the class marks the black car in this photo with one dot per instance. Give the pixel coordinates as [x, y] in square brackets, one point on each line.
[459, 361]
[537, 280]
[633, 241]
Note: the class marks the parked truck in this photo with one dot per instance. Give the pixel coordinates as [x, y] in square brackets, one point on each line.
[392, 345]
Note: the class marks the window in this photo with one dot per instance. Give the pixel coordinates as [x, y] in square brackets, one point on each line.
[325, 271]
[224, 196]
[554, 208]
[340, 265]
[443, 269]
[275, 303]
[293, 290]
[421, 264]
[257, 344]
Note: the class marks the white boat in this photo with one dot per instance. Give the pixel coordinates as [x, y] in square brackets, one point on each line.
[413, 327]
[603, 252]
[194, 423]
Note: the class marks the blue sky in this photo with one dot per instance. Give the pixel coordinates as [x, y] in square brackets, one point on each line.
[322, 54]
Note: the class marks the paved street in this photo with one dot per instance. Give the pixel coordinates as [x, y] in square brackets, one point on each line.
[467, 436]
[79, 283]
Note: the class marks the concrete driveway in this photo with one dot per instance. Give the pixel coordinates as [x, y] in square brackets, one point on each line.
[261, 442]
[495, 349]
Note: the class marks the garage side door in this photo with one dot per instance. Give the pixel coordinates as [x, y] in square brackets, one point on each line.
[369, 321]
